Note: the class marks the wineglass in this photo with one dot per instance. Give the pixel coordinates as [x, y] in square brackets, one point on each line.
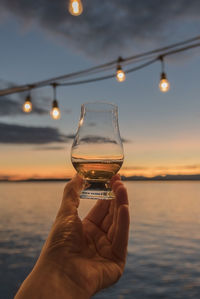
[97, 150]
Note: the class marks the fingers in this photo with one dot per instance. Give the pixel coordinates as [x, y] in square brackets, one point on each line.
[114, 179]
[120, 240]
[120, 199]
[70, 201]
[101, 209]
[115, 185]
[108, 219]
[121, 224]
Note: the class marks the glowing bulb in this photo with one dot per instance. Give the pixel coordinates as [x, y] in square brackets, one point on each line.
[55, 111]
[164, 84]
[27, 106]
[120, 75]
[75, 7]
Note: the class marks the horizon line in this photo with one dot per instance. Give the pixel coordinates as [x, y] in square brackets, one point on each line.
[165, 177]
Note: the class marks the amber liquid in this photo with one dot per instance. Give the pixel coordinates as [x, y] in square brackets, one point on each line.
[97, 170]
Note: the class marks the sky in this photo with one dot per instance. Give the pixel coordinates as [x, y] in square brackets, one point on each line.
[40, 40]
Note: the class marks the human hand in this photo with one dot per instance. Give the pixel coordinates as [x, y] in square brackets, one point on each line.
[80, 258]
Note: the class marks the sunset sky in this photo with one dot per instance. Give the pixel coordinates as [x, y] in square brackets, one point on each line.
[40, 40]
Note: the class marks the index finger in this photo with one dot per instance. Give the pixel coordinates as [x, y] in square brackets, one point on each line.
[70, 201]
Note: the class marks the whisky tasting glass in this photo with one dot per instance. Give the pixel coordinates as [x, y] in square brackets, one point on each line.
[97, 150]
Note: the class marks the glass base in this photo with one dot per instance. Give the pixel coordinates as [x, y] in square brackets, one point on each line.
[97, 190]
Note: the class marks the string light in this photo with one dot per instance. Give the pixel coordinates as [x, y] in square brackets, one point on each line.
[55, 111]
[147, 59]
[75, 7]
[69, 79]
[120, 74]
[27, 106]
[164, 84]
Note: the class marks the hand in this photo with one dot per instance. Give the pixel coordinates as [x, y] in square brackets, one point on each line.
[83, 256]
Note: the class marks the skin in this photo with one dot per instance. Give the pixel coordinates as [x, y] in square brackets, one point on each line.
[79, 258]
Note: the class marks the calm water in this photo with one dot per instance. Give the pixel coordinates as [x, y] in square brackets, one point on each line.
[164, 246]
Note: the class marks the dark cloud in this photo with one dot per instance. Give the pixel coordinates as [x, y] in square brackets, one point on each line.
[96, 139]
[18, 134]
[12, 105]
[70, 136]
[99, 139]
[9, 107]
[113, 27]
[125, 140]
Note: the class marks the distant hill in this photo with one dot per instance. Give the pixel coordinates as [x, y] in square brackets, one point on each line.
[36, 180]
[168, 177]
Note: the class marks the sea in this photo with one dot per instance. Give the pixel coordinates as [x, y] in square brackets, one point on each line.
[164, 243]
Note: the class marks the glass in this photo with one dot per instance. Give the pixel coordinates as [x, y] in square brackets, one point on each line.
[97, 150]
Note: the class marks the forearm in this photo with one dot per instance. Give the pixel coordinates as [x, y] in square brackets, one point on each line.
[44, 282]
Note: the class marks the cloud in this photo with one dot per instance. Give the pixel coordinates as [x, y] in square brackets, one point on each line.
[163, 168]
[99, 139]
[125, 140]
[18, 134]
[136, 168]
[96, 139]
[111, 27]
[9, 107]
[12, 105]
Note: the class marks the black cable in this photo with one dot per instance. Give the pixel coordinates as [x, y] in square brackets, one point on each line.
[109, 76]
[114, 62]
[160, 57]
[181, 50]
[101, 68]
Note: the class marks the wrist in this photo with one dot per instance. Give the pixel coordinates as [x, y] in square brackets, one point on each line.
[47, 281]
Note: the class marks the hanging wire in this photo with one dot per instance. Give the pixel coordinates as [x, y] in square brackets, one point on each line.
[181, 50]
[166, 51]
[54, 85]
[109, 76]
[162, 63]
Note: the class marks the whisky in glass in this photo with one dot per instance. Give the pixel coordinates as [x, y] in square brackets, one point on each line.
[97, 150]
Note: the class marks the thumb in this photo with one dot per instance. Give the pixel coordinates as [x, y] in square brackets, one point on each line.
[70, 201]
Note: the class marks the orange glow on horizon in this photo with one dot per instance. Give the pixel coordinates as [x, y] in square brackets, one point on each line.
[142, 158]
[160, 171]
[58, 173]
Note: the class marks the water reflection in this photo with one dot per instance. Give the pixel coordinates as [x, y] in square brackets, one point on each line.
[164, 255]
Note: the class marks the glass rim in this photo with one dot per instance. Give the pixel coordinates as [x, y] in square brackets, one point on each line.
[108, 104]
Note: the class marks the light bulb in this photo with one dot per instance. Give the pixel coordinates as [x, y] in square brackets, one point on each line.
[75, 7]
[120, 74]
[27, 106]
[55, 111]
[164, 84]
